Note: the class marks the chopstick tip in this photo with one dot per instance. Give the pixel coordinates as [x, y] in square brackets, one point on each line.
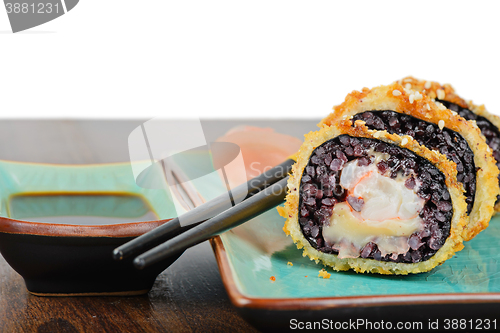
[139, 263]
[117, 254]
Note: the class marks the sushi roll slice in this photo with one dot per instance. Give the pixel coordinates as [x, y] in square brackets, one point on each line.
[373, 202]
[403, 111]
[488, 123]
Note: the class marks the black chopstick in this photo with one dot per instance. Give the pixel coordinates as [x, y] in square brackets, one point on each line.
[203, 212]
[234, 216]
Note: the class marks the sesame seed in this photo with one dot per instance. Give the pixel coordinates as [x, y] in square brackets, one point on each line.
[412, 96]
[454, 113]
[359, 122]
[440, 94]
[408, 80]
[441, 106]
[441, 124]
[427, 85]
[418, 96]
[404, 141]
[396, 92]
[408, 86]
[428, 107]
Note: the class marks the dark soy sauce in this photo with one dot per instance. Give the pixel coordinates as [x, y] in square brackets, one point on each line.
[81, 209]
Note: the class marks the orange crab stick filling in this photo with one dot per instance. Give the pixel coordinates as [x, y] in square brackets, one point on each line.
[378, 209]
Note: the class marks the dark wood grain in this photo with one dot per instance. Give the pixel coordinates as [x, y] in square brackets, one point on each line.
[187, 297]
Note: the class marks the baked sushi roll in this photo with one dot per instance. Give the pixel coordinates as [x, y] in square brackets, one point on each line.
[488, 123]
[403, 111]
[373, 202]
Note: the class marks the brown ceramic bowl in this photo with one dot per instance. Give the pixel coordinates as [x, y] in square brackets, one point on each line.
[59, 225]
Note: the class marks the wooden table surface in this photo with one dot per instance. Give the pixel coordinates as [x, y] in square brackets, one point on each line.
[187, 297]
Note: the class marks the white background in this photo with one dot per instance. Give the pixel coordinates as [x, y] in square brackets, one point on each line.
[214, 59]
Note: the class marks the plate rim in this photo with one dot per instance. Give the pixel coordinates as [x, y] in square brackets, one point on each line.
[240, 300]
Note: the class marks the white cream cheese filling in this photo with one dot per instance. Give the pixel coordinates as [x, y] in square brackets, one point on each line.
[388, 216]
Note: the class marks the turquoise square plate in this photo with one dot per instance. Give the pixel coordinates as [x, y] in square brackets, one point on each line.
[271, 283]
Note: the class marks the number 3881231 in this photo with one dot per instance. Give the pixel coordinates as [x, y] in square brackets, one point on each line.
[38, 8]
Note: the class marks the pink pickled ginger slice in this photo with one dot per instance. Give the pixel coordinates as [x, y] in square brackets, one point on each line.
[261, 148]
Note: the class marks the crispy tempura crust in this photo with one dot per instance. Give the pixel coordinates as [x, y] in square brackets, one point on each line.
[396, 97]
[447, 93]
[434, 90]
[361, 265]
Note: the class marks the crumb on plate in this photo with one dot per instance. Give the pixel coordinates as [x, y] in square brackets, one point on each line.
[324, 274]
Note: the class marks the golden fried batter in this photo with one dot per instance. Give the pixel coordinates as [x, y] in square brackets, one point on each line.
[361, 265]
[403, 99]
[446, 92]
